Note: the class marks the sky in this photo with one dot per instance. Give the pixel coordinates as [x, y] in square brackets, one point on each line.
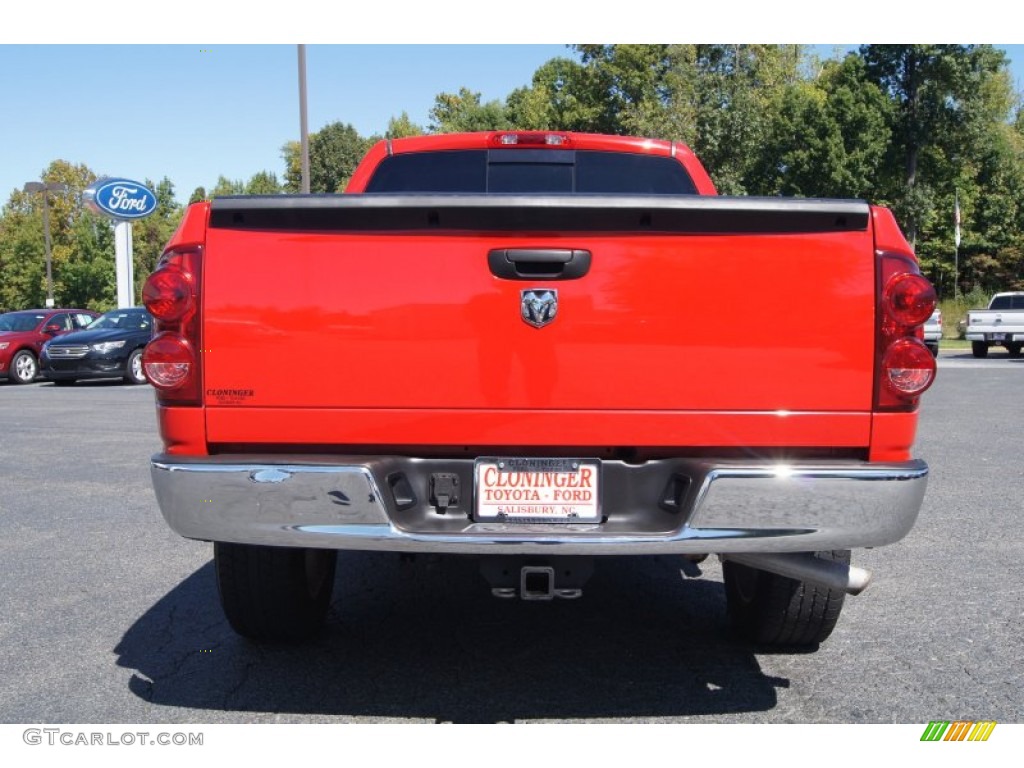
[193, 112]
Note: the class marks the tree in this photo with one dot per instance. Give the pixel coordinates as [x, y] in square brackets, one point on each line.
[732, 94]
[22, 250]
[291, 153]
[564, 95]
[614, 89]
[88, 273]
[827, 138]
[462, 112]
[402, 126]
[21, 255]
[263, 183]
[83, 244]
[626, 88]
[226, 186]
[943, 96]
[334, 152]
[719, 99]
[990, 189]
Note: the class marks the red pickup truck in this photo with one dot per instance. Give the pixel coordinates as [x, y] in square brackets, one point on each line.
[540, 349]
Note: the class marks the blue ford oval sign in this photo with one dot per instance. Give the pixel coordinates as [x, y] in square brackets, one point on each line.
[120, 199]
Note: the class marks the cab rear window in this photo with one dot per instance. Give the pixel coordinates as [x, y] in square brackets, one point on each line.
[542, 171]
[1008, 302]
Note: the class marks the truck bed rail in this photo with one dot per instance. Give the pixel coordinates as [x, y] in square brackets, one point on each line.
[636, 214]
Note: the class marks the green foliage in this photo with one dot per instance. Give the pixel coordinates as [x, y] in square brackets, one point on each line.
[736, 90]
[334, 152]
[82, 244]
[564, 96]
[21, 256]
[828, 137]
[263, 183]
[719, 99]
[86, 277]
[954, 311]
[291, 153]
[226, 186]
[461, 112]
[944, 98]
[400, 127]
[22, 249]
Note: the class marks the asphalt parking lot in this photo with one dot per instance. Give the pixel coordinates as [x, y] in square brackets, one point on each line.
[110, 617]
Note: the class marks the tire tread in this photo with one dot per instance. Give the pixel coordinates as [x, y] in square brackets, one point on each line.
[265, 594]
[785, 612]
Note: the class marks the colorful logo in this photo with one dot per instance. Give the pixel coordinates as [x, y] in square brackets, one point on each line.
[958, 730]
[120, 199]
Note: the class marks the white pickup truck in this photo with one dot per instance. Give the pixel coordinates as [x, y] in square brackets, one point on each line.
[1002, 323]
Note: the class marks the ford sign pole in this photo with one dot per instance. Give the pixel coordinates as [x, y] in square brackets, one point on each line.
[123, 258]
[123, 201]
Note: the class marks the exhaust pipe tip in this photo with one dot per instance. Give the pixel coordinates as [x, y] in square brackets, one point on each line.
[859, 578]
[804, 566]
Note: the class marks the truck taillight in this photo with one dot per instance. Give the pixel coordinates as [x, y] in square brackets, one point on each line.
[909, 367]
[910, 299]
[167, 294]
[168, 361]
[171, 360]
[905, 367]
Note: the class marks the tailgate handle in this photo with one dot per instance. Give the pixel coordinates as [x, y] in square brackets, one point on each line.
[538, 263]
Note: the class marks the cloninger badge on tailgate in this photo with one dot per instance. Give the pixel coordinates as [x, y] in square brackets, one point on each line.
[539, 306]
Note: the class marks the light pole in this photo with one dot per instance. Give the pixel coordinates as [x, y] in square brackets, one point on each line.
[45, 187]
[303, 125]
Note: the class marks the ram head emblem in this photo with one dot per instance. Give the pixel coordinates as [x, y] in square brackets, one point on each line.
[539, 306]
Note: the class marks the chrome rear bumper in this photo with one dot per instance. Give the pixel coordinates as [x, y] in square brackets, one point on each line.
[657, 507]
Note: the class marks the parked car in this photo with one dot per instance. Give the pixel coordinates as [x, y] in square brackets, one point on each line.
[933, 332]
[22, 335]
[111, 347]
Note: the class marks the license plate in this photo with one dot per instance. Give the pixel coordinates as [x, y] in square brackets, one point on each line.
[997, 337]
[538, 490]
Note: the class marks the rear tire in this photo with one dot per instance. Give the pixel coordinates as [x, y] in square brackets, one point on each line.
[934, 349]
[979, 349]
[1013, 349]
[274, 594]
[772, 610]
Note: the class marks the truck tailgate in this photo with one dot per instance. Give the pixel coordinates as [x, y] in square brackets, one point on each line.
[315, 316]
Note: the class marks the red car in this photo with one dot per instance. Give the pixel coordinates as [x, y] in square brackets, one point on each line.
[22, 335]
